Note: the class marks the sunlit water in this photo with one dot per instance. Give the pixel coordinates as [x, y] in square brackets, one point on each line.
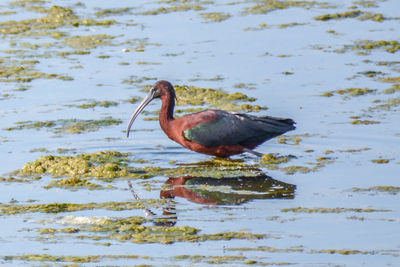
[289, 68]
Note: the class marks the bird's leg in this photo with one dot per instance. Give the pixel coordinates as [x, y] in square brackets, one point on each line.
[258, 154]
[169, 218]
[147, 211]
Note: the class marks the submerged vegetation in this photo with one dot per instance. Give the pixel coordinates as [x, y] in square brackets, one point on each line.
[331, 210]
[55, 17]
[66, 126]
[73, 259]
[361, 15]
[366, 46]
[265, 6]
[23, 71]
[350, 92]
[108, 165]
[202, 98]
[72, 207]
[174, 8]
[215, 98]
[393, 190]
[215, 16]
[93, 104]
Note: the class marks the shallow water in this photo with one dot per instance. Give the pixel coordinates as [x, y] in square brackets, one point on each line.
[343, 211]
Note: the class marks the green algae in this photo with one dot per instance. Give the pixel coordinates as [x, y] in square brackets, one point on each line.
[65, 54]
[248, 86]
[380, 161]
[330, 210]
[289, 140]
[292, 24]
[4, 13]
[110, 165]
[99, 258]
[301, 249]
[293, 169]
[361, 15]
[371, 73]
[12, 179]
[138, 44]
[350, 92]
[214, 98]
[56, 17]
[133, 229]
[66, 150]
[93, 104]
[273, 159]
[364, 122]
[394, 89]
[88, 41]
[368, 45]
[391, 79]
[355, 150]
[333, 32]
[215, 16]
[24, 72]
[393, 190]
[133, 79]
[366, 3]
[212, 169]
[270, 249]
[290, 170]
[39, 149]
[10, 209]
[342, 251]
[66, 126]
[74, 183]
[261, 27]
[211, 259]
[55, 23]
[169, 235]
[265, 6]
[62, 230]
[106, 165]
[73, 259]
[388, 105]
[216, 78]
[171, 9]
[147, 63]
[113, 11]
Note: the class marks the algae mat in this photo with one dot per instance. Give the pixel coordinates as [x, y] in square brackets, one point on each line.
[74, 191]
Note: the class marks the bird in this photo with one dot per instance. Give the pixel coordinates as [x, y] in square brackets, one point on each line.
[212, 132]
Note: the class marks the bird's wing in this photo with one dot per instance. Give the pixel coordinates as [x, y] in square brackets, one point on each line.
[235, 128]
[226, 129]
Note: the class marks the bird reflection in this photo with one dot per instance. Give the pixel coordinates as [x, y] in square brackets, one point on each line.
[216, 191]
[226, 191]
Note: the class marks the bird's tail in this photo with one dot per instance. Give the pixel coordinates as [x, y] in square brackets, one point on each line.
[276, 125]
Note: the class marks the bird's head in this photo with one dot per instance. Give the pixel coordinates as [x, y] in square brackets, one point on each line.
[160, 89]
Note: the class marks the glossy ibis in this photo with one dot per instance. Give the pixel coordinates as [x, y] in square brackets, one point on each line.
[212, 132]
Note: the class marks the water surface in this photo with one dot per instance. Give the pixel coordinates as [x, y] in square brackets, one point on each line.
[339, 206]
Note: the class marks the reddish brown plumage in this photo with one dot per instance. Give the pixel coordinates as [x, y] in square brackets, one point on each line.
[212, 132]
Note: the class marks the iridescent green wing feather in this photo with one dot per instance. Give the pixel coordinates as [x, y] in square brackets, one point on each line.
[235, 128]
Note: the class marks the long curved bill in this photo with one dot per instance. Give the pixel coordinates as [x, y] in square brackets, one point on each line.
[139, 109]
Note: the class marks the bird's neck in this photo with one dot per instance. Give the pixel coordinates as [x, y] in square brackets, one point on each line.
[167, 110]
